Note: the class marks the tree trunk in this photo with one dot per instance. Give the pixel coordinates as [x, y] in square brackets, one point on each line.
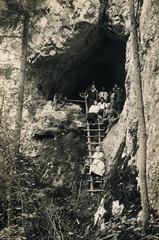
[141, 118]
[22, 79]
[2, 104]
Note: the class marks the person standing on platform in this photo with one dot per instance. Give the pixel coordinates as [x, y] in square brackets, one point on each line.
[103, 94]
[92, 94]
[112, 97]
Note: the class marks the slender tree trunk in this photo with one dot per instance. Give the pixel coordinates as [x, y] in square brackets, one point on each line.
[9, 223]
[141, 118]
[22, 79]
[11, 193]
[2, 104]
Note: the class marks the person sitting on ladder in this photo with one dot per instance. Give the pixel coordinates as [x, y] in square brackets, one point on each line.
[97, 168]
[102, 105]
[93, 113]
[110, 117]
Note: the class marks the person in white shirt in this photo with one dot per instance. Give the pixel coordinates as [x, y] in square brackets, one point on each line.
[93, 113]
[97, 168]
[103, 94]
[102, 105]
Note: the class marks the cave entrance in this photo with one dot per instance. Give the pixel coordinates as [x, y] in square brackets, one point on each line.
[105, 66]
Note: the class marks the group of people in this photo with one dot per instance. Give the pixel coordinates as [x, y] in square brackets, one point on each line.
[104, 106]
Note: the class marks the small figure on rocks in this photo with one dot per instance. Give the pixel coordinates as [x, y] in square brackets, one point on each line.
[59, 99]
[97, 168]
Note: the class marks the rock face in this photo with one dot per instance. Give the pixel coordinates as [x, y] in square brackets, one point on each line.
[66, 52]
[68, 43]
[150, 77]
[65, 43]
[127, 126]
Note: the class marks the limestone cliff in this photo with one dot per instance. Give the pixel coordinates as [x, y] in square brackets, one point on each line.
[148, 35]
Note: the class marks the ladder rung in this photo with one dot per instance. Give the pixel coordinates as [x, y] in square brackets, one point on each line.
[93, 143]
[96, 136]
[96, 190]
[87, 165]
[93, 124]
[90, 174]
[91, 130]
[97, 181]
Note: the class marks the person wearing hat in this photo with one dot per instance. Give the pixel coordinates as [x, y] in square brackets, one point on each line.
[92, 94]
[97, 168]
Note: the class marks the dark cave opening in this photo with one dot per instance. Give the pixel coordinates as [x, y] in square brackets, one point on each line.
[104, 64]
[106, 67]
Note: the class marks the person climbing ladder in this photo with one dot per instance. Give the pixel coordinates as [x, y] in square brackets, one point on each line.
[97, 168]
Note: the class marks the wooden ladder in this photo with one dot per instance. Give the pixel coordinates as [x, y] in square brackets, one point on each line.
[99, 135]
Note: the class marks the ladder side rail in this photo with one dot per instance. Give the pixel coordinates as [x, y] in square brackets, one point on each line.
[90, 157]
[99, 133]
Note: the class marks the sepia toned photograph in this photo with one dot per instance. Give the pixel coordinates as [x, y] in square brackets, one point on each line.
[79, 119]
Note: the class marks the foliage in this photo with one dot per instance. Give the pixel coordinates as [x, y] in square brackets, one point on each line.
[42, 207]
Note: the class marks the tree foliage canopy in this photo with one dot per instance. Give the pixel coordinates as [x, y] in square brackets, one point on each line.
[12, 12]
